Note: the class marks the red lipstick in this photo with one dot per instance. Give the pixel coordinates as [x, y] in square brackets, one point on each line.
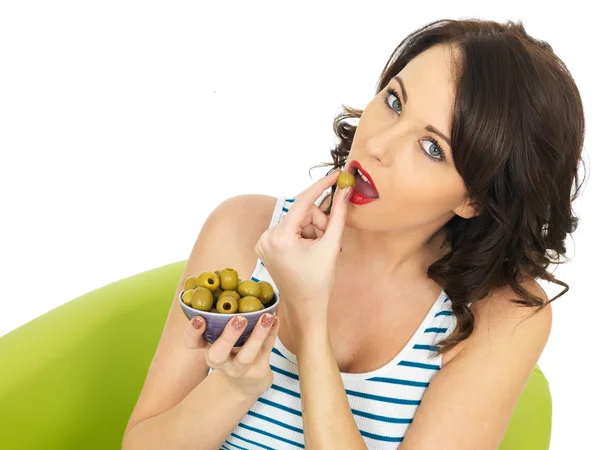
[354, 164]
[364, 192]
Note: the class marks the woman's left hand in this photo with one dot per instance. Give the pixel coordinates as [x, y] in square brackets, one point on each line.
[304, 270]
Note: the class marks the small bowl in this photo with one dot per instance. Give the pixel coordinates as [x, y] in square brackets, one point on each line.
[216, 322]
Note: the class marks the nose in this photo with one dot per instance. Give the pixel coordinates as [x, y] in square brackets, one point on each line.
[383, 145]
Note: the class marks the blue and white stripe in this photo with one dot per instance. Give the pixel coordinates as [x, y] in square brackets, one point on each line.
[383, 402]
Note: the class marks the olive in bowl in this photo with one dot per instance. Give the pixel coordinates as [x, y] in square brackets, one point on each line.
[204, 296]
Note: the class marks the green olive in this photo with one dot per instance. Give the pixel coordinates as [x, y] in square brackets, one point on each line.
[248, 288]
[187, 297]
[209, 280]
[202, 299]
[266, 292]
[229, 279]
[189, 283]
[249, 304]
[345, 179]
[228, 293]
[227, 305]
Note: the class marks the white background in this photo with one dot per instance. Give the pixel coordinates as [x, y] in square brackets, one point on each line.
[123, 124]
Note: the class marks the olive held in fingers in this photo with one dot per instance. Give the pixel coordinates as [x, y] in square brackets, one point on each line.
[346, 179]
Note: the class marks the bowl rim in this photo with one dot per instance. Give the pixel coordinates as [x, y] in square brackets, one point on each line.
[217, 314]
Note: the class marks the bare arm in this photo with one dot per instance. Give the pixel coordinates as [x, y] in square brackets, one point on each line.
[174, 396]
[471, 400]
[201, 421]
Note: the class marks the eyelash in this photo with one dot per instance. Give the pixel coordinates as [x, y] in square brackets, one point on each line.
[391, 91]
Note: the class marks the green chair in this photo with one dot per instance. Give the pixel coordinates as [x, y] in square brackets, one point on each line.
[70, 378]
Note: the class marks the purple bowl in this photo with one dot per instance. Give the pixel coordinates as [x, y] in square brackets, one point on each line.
[216, 322]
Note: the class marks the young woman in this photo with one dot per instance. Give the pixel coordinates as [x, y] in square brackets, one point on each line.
[409, 316]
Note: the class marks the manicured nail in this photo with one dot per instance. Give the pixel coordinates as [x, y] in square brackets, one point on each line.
[267, 320]
[238, 323]
[197, 322]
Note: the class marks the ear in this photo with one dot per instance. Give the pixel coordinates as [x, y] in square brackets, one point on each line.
[468, 209]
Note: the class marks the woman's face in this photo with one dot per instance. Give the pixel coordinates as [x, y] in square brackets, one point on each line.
[411, 166]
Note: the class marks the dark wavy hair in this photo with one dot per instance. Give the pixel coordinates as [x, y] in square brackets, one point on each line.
[517, 134]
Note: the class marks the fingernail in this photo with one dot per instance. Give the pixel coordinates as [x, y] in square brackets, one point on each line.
[267, 320]
[348, 194]
[238, 323]
[275, 320]
[197, 322]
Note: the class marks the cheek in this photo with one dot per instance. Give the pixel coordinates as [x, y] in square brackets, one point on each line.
[427, 191]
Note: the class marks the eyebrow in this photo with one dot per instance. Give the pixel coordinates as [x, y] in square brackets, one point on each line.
[428, 127]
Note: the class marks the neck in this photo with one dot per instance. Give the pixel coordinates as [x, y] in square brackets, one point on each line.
[396, 254]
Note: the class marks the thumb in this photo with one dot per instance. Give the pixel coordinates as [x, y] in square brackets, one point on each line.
[192, 335]
[337, 218]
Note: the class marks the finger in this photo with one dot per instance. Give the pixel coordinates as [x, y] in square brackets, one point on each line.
[337, 218]
[264, 355]
[311, 232]
[250, 349]
[315, 217]
[218, 353]
[192, 335]
[291, 223]
[314, 224]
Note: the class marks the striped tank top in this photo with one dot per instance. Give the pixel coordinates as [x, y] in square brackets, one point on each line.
[383, 401]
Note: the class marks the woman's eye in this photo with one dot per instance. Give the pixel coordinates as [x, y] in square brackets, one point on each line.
[433, 150]
[395, 104]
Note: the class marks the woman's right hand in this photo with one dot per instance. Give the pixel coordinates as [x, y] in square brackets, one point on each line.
[246, 368]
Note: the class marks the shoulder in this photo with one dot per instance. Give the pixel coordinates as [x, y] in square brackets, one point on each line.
[253, 211]
[485, 380]
[238, 223]
[500, 314]
[500, 322]
[249, 215]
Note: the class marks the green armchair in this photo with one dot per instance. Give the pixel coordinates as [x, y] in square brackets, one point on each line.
[70, 378]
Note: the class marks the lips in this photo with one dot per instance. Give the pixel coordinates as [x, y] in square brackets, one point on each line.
[370, 191]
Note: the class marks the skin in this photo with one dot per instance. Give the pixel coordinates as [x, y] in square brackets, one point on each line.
[390, 243]
[395, 235]
[387, 247]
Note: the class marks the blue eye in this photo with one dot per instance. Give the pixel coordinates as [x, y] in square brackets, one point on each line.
[437, 154]
[394, 95]
[396, 106]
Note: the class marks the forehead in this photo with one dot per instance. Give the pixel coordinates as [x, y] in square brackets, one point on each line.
[430, 87]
